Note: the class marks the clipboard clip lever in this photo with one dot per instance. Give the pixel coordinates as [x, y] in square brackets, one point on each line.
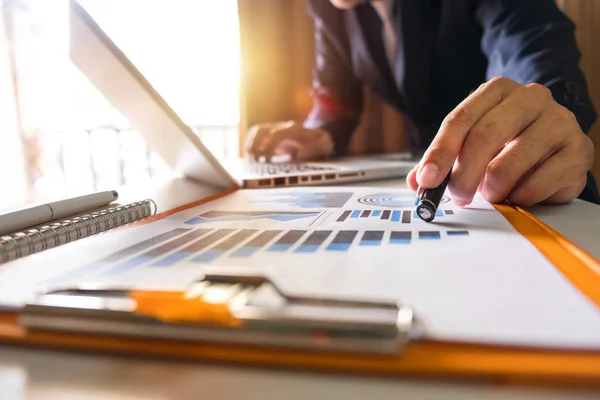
[230, 301]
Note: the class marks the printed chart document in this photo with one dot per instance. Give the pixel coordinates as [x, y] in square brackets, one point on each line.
[468, 276]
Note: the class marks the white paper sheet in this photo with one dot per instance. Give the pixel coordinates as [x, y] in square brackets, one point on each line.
[469, 276]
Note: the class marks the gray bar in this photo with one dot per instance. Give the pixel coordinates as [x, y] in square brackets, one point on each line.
[345, 237]
[208, 240]
[291, 237]
[406, 217]
[163, 237]
[236, 239]
[316, 238]
[344, 215]
[173, 244]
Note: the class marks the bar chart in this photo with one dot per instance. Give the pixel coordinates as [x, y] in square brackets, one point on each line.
[401, 216]
[204, 246]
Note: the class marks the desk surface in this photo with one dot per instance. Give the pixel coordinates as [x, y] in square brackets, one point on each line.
[45, 375]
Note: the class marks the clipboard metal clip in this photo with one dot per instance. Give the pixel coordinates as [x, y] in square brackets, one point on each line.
[231, 307]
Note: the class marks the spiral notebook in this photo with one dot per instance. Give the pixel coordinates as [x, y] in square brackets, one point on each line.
[37, 239]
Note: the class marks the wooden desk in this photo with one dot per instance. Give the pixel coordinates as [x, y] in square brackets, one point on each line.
[44, 375]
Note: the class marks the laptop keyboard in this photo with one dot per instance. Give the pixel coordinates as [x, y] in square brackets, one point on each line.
[266, 169]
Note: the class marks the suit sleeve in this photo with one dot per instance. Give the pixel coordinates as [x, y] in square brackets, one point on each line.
[336, 92]
[533, 41]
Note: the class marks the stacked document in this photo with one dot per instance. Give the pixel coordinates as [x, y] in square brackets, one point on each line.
[468, 276]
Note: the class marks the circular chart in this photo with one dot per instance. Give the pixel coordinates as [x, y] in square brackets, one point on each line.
[393, 200]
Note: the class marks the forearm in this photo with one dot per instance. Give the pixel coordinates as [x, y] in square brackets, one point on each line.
[329, 114]
[336, 92]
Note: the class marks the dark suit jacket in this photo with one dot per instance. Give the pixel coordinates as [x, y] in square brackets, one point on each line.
[446, 49]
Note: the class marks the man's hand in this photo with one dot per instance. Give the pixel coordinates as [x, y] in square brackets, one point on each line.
[509, 141]
[288, 138]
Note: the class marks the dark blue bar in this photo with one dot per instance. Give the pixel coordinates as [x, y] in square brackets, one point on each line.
[342, 241]
[457, 233]
[429, 235]
[286, 241]
[371, 238]
[313, 242]
[400, 237]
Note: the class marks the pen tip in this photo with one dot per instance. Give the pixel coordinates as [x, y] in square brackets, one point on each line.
[114, 192]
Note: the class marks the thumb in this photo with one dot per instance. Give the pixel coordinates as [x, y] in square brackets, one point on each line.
[411, 180]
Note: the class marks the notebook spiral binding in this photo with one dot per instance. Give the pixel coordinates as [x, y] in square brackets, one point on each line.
[21, 244]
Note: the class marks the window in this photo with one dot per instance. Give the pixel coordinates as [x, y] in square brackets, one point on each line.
[74, 141]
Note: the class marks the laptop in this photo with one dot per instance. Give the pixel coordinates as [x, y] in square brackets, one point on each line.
[122, 84]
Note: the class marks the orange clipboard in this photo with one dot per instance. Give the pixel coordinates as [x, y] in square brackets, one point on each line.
[423, 359]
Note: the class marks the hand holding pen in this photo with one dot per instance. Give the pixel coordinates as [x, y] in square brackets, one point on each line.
[428, 200]
[515, 143]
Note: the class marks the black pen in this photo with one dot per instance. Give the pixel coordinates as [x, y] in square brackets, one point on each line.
[428, 200]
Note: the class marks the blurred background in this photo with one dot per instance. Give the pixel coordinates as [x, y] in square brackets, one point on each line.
[223, 65]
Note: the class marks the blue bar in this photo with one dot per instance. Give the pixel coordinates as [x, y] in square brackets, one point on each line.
[280, 247]
[307, 248]
[171, 259]
[376, 213]
[208, 256]
[355, 214]
[339, 246]
[127, 265]
[370, 242]
[399, 241]
[246, 251]
[395, 216]
[438, 213]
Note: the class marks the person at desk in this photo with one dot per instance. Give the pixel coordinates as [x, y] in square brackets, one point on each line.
[491, 89]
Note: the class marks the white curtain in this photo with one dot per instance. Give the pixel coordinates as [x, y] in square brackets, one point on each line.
[13, 177]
